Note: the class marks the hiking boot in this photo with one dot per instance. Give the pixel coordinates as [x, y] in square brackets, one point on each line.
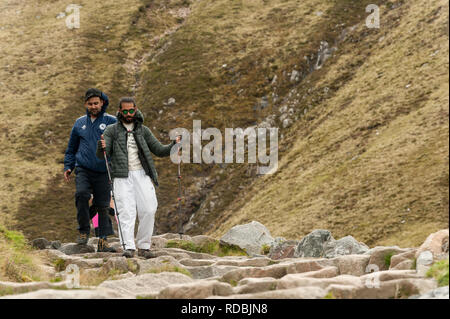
[129, 253]
[82, 239]
[103, 246]
[146, 253]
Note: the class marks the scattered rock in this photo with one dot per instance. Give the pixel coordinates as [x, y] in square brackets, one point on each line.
[312, 245]
[72, 248]
[55, 244]
[295, 76]
[40, 243]
[171, 101]
[250, 237]
[286, 123]
[324, 53]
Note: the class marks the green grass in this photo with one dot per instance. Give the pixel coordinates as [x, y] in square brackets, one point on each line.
[439, 270]
[18, 261]
[213, 248]
[16, 239]
[329, 295]
[387, 259]
[59, 264]
[265, 249]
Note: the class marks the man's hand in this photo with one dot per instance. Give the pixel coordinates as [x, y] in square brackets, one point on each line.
[178, 140]
[67, 175]
[103, 143]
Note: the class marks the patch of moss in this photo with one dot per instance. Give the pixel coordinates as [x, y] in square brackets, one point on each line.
[439, 271]
[169, 268]
[212, 248]
[387, 259]
[329, 295]
[265, 249]
[60, 264]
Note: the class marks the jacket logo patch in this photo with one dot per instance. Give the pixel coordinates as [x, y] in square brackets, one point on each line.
[102, 126]
[83, 127]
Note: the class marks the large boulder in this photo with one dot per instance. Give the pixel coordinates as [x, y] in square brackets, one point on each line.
[251, 237]
[312, 245]
[344, 246]
[436, 243]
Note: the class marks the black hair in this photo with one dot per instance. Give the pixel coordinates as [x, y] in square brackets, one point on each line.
[127, 100]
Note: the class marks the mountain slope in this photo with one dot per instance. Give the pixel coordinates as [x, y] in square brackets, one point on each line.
[372, 160]
[368, 143]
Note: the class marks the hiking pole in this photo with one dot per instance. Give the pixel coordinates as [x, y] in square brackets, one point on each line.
[180, 225]
[113, 198]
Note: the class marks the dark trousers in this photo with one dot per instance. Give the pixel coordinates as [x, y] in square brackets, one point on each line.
[89, 182]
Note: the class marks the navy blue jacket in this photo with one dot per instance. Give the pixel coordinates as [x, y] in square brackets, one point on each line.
[83, 140]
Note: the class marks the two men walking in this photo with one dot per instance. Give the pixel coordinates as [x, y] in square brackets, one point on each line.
[128, 145]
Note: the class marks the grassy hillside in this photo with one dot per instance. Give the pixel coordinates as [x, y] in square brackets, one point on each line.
[372, 159]
[367, 155]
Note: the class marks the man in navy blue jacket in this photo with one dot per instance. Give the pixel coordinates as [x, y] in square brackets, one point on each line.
[91, 174]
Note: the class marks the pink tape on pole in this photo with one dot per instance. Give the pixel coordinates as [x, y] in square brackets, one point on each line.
[95, 221]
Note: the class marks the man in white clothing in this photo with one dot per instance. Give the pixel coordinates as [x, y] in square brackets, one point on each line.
[129, 145]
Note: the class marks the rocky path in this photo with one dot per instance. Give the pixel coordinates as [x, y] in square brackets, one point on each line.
[379, 272]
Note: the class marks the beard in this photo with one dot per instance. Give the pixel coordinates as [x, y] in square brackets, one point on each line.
[93, 112]
[128, 119]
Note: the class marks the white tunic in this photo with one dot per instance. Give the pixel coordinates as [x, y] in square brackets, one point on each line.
[134, 163]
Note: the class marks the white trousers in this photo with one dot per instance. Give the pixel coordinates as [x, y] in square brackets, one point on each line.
[136, 193]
